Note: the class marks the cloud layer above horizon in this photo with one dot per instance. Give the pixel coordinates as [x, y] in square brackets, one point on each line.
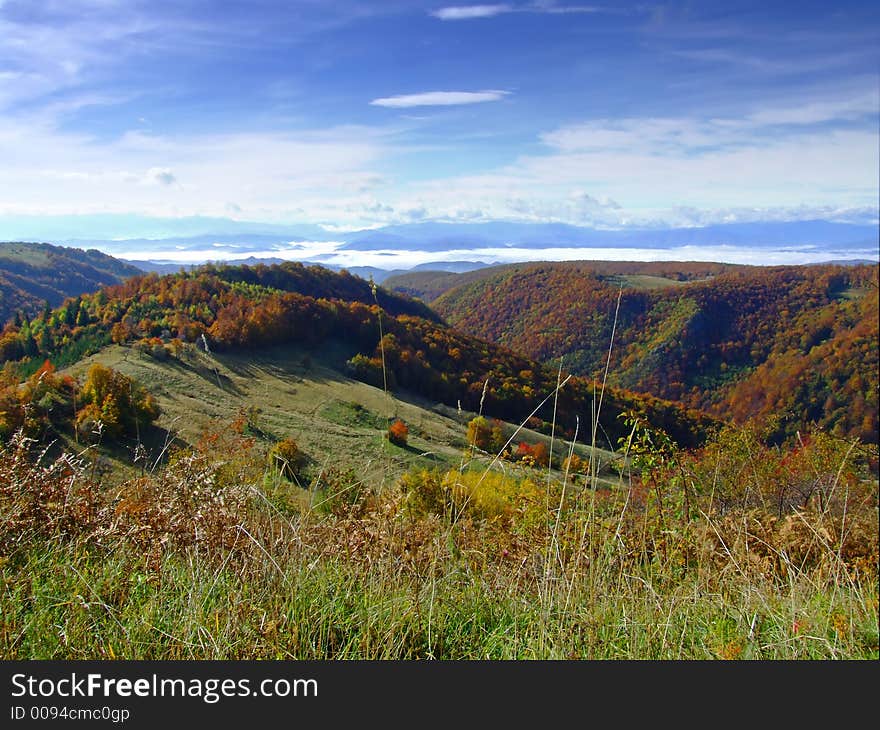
[373, 113]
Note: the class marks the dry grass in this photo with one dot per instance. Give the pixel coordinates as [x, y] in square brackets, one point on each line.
[206, 559]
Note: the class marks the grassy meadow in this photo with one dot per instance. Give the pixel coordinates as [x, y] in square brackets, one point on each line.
[427, 550]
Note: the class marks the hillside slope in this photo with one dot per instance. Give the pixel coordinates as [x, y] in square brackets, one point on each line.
[795, 343]
[292, 391]
[34, 273]
[239, 310]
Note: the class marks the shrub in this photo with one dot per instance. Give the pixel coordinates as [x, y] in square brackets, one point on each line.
[190, 503]
[40, 406]
[574, 464]
[369, 370]
[286, 458]
[541, 454]
[43, 501]
[479, 433]
[398, 433]
[424, 491]
[532, 454]
[339, 492]
[490, 496]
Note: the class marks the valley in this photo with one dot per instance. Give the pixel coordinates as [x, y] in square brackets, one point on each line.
[702, 335]
[285, 462]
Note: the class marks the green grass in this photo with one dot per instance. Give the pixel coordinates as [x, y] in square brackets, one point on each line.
[353, 414]
[207, 564]
[24, 254]
[301, 394]
[644, 281]
[852, 293]
[76, 602]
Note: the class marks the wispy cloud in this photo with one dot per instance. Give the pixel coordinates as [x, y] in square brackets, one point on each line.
[815, 159]
[779, 61]
[858, 106]
[62, 46]
[58, 53]
[724, 113]
[688, 135]
[469, 12]
[440, 98]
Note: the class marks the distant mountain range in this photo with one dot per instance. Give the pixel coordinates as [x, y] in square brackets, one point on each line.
[446, 236]
[31, 279]
[486, 241]
[114, 227]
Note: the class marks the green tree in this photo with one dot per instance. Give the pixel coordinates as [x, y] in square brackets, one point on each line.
[121, 404]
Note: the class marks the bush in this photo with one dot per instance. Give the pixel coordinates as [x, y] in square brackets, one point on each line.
[425, 492]
[41, 502]
[339, 492]
[532, 454]
[574, 465]
[398, 433]
[286, 458]
[479, 433]
[490, 496]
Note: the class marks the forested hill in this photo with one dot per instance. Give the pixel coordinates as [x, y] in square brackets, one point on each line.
[234, 308]
[430, 285]
[798, 343]
[319, 282]
[32, 274]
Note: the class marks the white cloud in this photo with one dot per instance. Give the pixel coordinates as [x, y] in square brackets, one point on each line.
[467, 12]
[47, 171]
[685, 217]
[440, 98]
[292, 251]
[816, 112]
[688, 136]
[808, 167]
[497, 255]
[53, 58]
[814, 151]
[604, 173]
[627, 135]
[653, 167]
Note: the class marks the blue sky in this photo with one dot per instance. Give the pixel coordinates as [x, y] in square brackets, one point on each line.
[357, 114]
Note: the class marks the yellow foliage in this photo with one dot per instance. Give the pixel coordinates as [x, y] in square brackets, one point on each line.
[480, 495]
[286, 458]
